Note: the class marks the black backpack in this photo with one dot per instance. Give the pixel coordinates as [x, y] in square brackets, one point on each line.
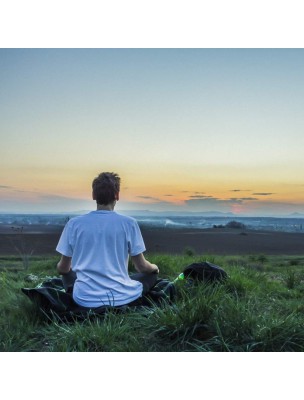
[205, 272]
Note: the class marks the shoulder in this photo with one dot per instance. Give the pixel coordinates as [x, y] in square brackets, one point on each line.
[125, 219]
[127, 222]
[79, 219]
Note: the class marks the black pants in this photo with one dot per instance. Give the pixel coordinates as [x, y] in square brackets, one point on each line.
[147, 280]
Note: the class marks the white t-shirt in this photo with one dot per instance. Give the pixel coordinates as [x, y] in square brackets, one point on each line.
[100, 243]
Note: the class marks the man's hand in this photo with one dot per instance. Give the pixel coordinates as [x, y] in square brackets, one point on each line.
[143, 265]
[156, 269]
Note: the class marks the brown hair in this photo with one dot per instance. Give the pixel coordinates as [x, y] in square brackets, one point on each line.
[105, 187]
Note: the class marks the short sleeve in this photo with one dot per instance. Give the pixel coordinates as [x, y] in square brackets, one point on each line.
[64, 246]
[136, 243]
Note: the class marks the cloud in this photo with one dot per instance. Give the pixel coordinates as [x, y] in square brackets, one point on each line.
[191, 191]
[262, 194]
[209, 202]
[6, 187]
[168, 195]
[249, 206]
[233, 200]
[240, 190]
[13, 189]
[249, 198]
[202, 197]
[242, 199]
[149, 198]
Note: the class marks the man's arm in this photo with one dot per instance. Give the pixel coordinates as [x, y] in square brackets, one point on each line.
[64, 265]
[143, 265]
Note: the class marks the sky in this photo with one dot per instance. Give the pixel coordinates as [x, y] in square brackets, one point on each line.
[191, 130]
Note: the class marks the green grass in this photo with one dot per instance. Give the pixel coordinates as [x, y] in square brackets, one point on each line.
[259, 308]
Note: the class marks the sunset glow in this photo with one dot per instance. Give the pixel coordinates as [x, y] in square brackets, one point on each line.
[187, 129]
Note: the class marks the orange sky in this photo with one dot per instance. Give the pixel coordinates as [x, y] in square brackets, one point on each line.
[187, 129]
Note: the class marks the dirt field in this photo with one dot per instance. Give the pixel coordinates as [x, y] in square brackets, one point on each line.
[43, 240]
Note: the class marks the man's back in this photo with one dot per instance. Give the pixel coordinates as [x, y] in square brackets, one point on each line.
[99, 244]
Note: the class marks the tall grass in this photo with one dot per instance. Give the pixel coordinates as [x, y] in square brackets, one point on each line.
[253, 310]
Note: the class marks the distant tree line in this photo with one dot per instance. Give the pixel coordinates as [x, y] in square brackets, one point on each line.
[232, 225]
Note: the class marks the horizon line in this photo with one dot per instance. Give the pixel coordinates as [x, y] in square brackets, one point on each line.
[173, 212]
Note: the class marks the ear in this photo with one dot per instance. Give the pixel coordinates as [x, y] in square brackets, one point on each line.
[117, 196]
[93, 196]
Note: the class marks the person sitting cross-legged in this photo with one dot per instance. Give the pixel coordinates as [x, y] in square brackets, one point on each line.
[95, 250]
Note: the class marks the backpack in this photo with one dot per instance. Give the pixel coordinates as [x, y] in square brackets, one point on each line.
[205, 271]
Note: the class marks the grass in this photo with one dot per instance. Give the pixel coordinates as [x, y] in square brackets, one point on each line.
[259, 308]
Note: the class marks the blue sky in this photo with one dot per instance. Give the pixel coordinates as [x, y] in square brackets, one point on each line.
[224, 123]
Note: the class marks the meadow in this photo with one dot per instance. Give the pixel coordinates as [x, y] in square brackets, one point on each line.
[259, 308]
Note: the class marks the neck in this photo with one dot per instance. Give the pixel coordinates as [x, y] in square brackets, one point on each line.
[106, 207]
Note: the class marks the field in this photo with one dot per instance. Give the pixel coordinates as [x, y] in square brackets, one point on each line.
[259, 308]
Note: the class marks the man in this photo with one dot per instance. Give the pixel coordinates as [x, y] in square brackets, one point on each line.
[95, 250]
